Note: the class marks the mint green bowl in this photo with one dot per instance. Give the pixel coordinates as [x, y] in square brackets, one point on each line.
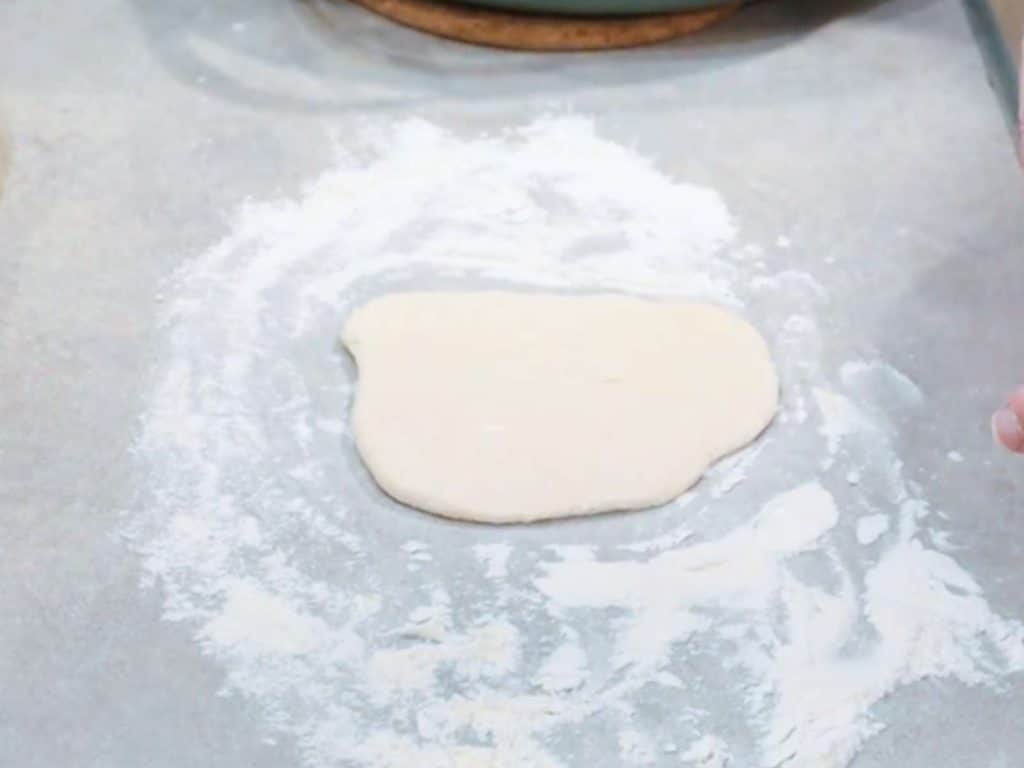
[600, 7]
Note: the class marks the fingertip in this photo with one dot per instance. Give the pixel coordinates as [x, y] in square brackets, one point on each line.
[1007, 429]
[1016, 403]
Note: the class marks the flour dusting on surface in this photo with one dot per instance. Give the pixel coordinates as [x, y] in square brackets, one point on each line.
[756, 621]
[707, 752]
[872, 527]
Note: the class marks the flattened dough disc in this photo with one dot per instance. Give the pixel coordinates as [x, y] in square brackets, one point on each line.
[509, 407]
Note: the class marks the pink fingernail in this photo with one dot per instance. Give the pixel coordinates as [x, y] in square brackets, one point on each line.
[1007, 429]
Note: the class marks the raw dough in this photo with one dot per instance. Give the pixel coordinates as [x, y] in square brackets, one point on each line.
[508, 407]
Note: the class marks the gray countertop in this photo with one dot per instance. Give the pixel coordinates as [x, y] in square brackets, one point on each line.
[864, 131]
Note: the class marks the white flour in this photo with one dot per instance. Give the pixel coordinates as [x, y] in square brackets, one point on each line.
[871, 527]
[754, 622]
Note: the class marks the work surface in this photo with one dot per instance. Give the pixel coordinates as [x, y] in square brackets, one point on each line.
[857, 148]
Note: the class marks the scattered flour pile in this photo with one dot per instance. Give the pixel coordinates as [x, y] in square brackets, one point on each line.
[754, 622]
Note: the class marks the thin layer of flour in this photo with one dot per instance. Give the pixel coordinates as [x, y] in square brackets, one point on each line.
[757, 621]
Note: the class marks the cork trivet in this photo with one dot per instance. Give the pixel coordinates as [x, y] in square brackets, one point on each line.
[542, 32]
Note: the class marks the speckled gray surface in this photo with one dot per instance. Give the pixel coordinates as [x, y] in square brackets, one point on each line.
[869, 134]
